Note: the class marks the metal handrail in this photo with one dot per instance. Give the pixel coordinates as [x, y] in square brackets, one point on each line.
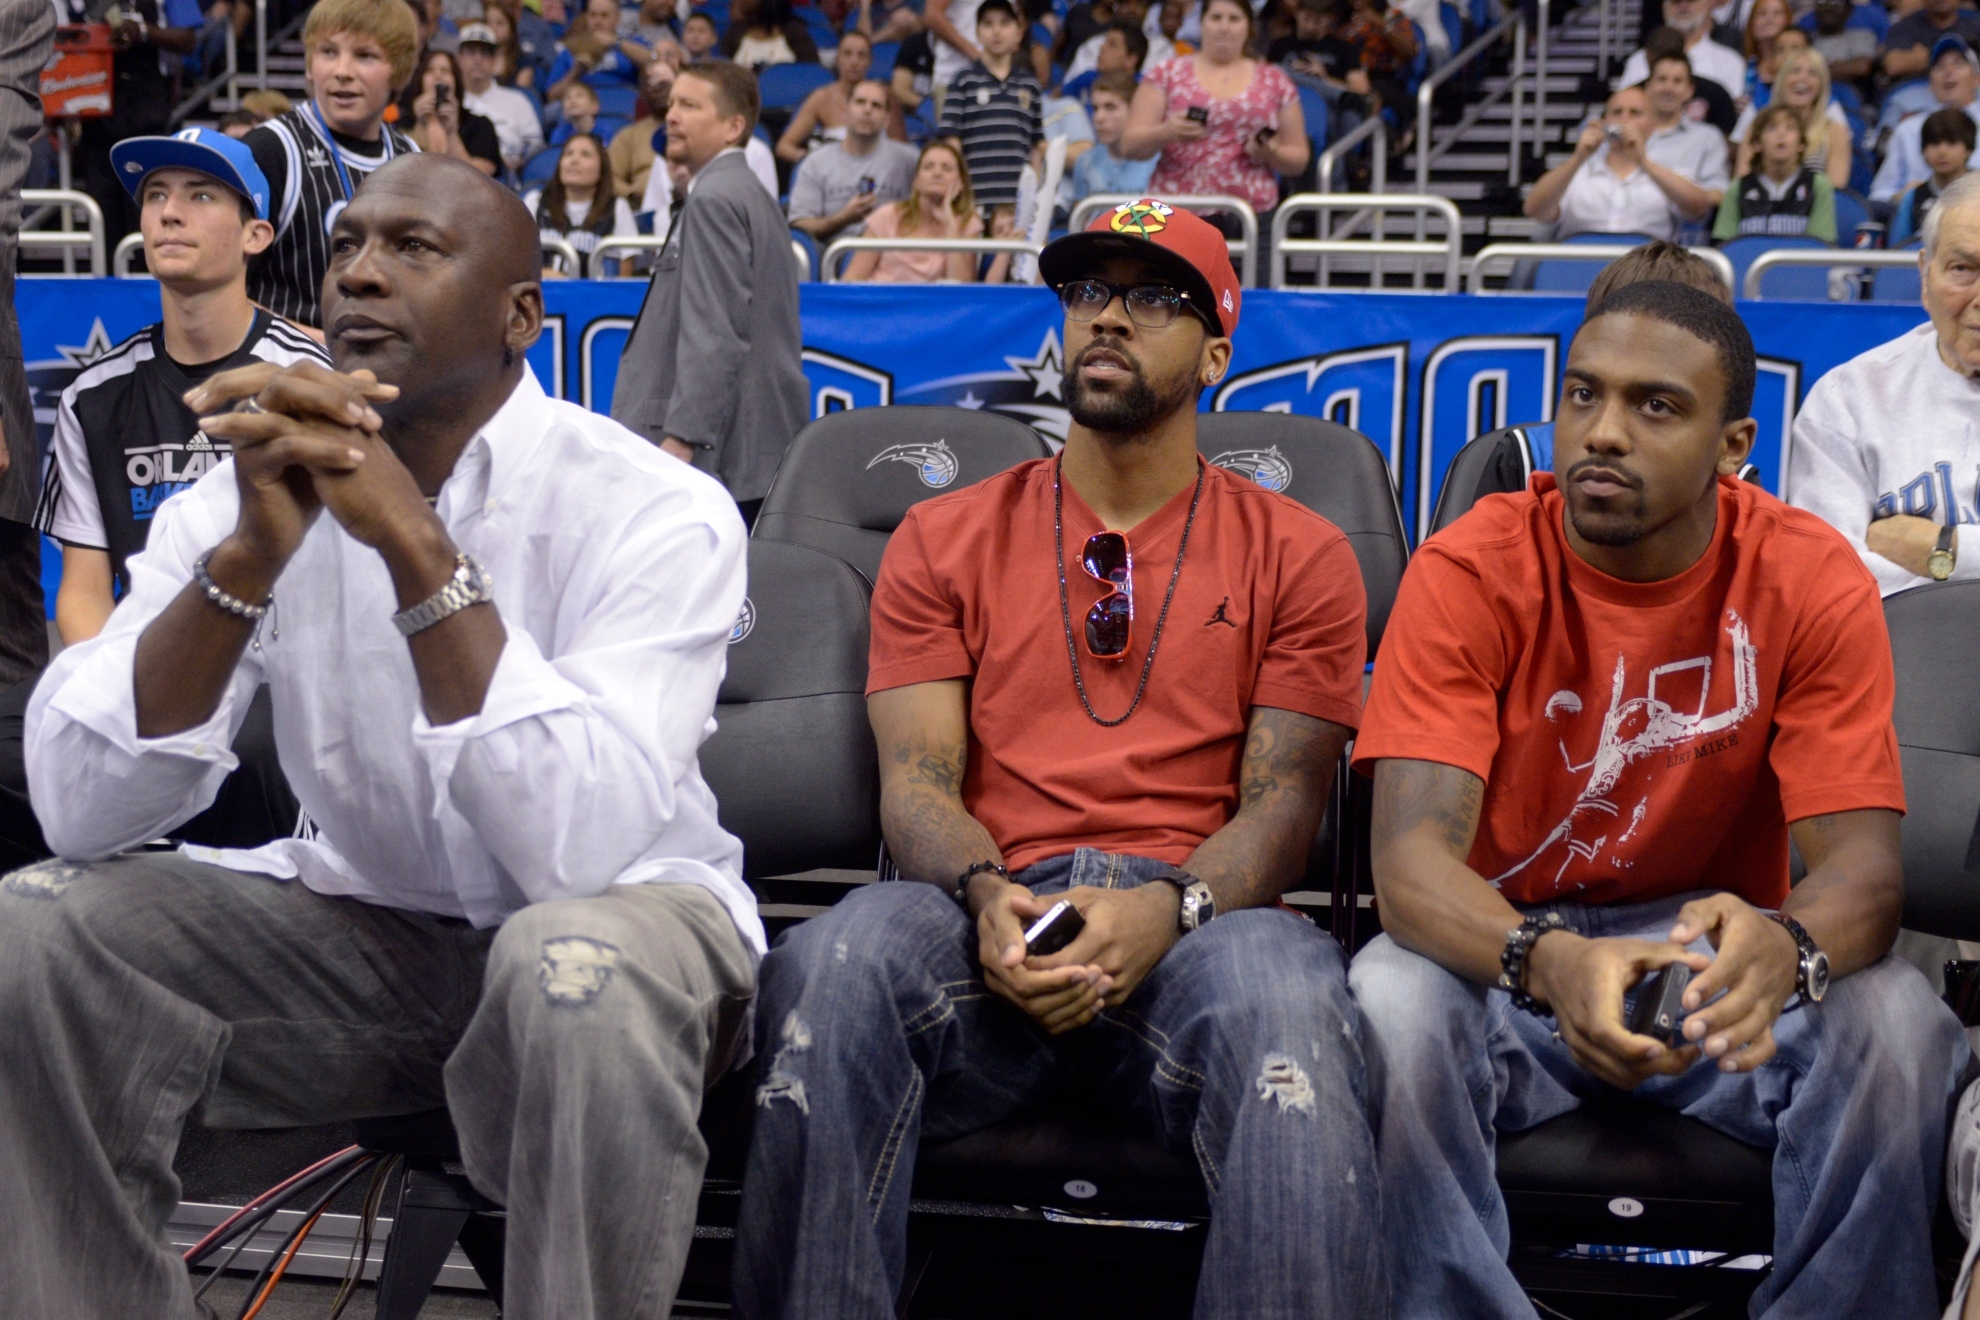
[1426, 155]
[1767, 261]
[561, 249]
[1539, 88]
[802, 255]
[65, 198]
[1450, 249]
[1602, 252]
[261, 44]
[1244, 248]
[120, 260]
[1379, 170]
[829, 263]
[654, 242]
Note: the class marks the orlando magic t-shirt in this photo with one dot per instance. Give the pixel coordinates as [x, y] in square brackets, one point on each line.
[125, 442]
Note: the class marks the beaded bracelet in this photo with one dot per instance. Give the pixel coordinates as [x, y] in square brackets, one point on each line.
[976, 869]
[221, 598]
[1512, 960]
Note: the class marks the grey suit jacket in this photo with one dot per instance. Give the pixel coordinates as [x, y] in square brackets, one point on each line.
[714, 358]
[27, 38]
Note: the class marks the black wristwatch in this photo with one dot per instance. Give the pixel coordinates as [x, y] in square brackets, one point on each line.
[1199, 905]
[1512, 959]
[1811, 977]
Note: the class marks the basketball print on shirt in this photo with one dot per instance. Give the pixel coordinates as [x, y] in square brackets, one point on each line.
[1648, 731]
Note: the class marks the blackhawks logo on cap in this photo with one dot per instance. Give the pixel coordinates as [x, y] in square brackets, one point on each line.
[1146, 218]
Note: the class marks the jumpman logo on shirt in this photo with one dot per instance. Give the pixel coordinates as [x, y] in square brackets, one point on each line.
[1220, 616]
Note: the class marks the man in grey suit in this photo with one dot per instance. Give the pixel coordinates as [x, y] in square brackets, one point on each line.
[711, 372]
[27, 38]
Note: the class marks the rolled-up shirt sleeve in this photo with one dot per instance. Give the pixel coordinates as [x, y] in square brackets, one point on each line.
[577, 762]
[97, 787]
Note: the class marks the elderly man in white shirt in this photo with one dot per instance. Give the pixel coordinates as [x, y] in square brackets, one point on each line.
[1885, 449]
[493, 626]
[1616, 183]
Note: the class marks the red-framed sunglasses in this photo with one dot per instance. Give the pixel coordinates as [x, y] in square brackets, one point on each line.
[1108, 559]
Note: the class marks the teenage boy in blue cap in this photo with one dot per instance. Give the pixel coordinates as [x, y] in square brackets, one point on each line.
[125, 442]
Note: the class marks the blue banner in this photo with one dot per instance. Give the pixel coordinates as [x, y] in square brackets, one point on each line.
[1418, 374]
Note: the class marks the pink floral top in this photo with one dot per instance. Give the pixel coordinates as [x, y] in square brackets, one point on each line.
[1216, 162]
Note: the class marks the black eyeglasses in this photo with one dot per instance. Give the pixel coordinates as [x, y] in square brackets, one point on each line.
[1150, 306]
[1110, 623]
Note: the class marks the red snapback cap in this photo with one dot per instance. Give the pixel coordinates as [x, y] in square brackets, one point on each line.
[1190, 247]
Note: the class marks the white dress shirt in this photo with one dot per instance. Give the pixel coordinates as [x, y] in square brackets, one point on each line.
[619, 573]
[1697, 151]
[1598, 201]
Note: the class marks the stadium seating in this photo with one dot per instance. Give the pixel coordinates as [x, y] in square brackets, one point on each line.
[784, 86]
[1934, 633]
[849, 477]
[1492, 464]
[1851, 210]
[1810, 282]
[540, 168]
[1540, 276]
[884, 54]
[617, 103]
[1336, 472]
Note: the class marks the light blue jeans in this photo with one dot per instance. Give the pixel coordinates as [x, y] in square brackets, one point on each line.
[1241, 1048]
[1854, 1105]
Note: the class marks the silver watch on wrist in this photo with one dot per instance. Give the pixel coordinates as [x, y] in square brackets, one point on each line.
[470, 585]
[1199, 906]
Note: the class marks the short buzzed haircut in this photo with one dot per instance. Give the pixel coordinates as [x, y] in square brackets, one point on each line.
[1703, 317]
[387, 22]
[735, 90]
[1670, 57]
[1659, 260]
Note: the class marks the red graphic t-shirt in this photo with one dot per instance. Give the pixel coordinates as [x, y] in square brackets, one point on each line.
[1640, 739]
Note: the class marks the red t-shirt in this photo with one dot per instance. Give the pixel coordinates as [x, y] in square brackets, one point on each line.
[1269, 611]
[1640, 739]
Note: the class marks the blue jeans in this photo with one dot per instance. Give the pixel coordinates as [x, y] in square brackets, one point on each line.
[875, 1032]
[1854, 1105]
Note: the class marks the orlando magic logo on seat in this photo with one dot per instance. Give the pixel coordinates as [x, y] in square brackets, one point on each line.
[935, 464]
[745, 622]
[1268, 467]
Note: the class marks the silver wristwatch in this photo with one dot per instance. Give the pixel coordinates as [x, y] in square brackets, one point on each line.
[470, 585]
[1199, 906]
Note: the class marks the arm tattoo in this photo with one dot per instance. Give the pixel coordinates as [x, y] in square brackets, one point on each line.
[1283, 782]
[929, 832]
[1412, 794]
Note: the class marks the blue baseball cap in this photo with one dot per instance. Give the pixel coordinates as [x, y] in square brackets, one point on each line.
[203, 149]
[1950, 41]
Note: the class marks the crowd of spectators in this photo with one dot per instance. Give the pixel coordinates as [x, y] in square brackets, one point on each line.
[1225, 97]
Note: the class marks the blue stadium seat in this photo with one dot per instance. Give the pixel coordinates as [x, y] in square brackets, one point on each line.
[617, 102]
[718, 12]
[1419, 67]
[1453, 21]
[784, 86]
[1573, 277]
[1851, 211]
[1808, 282]
[1314, 107]
[1898, 284]
[884, 54]
[819, 23]
[539, 169]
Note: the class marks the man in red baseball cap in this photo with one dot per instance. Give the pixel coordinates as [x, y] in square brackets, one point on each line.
[1109, 690]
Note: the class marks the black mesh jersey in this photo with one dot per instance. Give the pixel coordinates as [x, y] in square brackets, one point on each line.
[125, 442]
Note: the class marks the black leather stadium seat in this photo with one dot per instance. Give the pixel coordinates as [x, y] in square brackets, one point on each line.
[1935, 633]
[1337, 473]
[792, 762]
[1496, 463]
[849, 478]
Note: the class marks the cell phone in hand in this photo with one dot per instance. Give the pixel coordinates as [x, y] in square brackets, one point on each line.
[867, 185]
[442, 92]
[1659, 1010]
[1199, 113]
[1054, 931]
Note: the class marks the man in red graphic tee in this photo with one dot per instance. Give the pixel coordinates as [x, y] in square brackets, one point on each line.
[1601, 708]
[1121, 679]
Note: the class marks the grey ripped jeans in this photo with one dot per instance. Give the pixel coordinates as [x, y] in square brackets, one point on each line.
[573, 1048]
